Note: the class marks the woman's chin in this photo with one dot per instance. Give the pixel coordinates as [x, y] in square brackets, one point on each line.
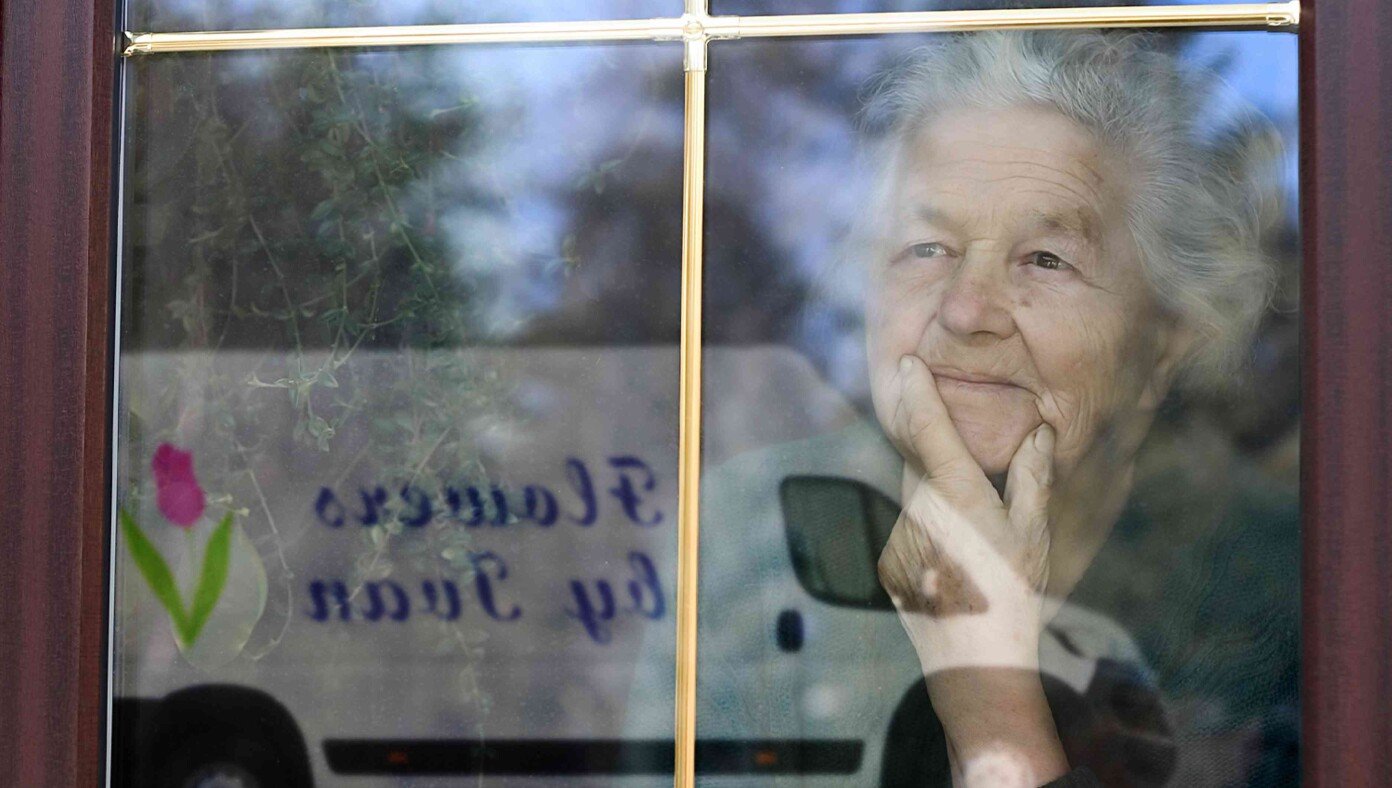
[992, 423]
[992, 447]
[992, 460]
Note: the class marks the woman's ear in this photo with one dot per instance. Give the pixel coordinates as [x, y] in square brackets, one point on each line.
[1174, 342]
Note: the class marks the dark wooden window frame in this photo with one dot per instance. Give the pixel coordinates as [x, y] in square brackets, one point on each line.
[57, 66]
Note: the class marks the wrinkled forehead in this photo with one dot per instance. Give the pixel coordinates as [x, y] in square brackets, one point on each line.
[1015, 166]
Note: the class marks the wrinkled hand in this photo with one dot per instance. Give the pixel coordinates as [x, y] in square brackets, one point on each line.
[966, 570]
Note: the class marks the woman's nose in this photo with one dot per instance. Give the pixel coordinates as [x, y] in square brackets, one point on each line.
[976, 301]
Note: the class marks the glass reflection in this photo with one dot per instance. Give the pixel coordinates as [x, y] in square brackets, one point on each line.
[1001, 479]
[397, 416]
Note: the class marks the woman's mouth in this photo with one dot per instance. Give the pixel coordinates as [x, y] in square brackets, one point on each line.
[959, 378]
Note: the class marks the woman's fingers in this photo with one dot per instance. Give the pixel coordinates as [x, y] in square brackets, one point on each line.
[922, 425]
[935, 562]
[953, 533]
[1029, 481]
[957, 548]
[1005, 547]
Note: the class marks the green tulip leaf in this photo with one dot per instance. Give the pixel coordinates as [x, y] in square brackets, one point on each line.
[155, 571]
[212, 578]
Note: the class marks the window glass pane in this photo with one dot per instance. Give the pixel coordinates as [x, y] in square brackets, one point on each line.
[181, 15]
[761, 7]
[1093, 233]
[397, 432]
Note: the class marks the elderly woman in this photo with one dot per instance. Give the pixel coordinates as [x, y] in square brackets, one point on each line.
[1053, 250]
[1058, 242]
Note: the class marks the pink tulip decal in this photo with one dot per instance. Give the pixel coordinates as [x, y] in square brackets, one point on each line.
[179, 497]
[182, 502]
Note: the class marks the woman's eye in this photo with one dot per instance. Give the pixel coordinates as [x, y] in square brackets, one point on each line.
[928, 250]
[1048, 261]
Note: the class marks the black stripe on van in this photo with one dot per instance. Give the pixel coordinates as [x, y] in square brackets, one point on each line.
[574, 757]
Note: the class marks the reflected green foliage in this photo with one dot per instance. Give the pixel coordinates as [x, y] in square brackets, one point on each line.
[302, 203]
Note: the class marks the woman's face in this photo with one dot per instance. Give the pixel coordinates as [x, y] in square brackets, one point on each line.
[1010, 271]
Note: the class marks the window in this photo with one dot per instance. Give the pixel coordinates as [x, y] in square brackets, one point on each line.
[423, 352]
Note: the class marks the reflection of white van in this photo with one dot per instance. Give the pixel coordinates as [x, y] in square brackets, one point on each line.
[539, 647]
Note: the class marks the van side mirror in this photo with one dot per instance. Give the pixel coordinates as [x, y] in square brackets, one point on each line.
[836, 529]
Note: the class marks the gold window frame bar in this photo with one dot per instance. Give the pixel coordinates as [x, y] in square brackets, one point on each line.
[699, 24]
[696, 28]
[689, 408]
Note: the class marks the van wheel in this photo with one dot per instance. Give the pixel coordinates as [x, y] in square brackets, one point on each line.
[915, 752]
[222, 761]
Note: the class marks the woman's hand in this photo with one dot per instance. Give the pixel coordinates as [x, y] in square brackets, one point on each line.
[966, 570]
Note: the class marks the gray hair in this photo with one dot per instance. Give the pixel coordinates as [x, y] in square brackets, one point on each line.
[1200, 199]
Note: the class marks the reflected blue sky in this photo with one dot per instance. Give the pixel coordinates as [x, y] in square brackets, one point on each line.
[172, 15]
